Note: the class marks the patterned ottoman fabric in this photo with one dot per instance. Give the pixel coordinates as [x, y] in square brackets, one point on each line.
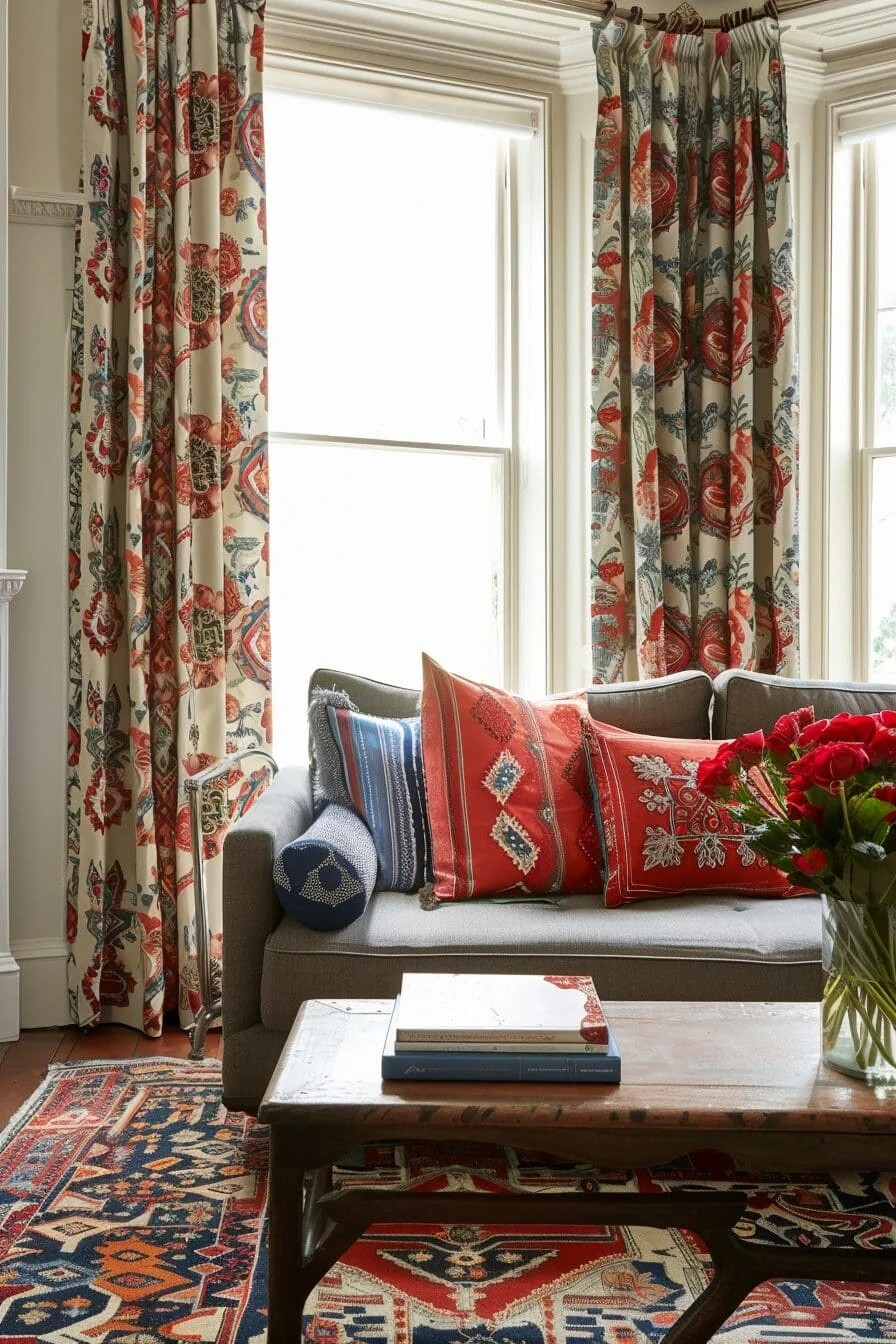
[435, 1284]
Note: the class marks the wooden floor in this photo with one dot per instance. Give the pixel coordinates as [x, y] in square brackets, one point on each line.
[23, 1063]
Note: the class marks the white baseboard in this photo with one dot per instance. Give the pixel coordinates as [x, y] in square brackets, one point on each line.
[9, 998]
[43, 988]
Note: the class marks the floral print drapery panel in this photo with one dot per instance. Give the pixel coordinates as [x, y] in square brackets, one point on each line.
[694, 392]
[170, 659]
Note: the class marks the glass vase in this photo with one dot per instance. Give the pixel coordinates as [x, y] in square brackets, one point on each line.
[858, 1011]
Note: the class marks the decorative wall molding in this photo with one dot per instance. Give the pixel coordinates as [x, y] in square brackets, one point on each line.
[60, 208]
[11, 581]
[43, 988]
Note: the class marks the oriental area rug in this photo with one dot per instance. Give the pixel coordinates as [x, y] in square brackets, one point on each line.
[132, 1211]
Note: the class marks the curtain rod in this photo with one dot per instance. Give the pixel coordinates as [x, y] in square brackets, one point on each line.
[684, 18]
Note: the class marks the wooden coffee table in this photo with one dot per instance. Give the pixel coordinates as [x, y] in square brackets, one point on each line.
[744, 1078]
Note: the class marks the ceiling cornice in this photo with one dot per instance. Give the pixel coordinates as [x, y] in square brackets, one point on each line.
[532, 48]
[535, 48]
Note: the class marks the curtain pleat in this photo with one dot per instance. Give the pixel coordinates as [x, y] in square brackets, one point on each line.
[170, 656]
[694, 422]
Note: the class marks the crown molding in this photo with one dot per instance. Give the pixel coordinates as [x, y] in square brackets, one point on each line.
[535, 48]
[805, 72]
[44, 207]
[865, 64]
[531, 47]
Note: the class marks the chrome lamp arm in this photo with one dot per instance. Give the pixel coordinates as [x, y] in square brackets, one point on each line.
[209, 1008]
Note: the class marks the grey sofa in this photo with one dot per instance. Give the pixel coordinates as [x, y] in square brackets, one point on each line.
[696, 947]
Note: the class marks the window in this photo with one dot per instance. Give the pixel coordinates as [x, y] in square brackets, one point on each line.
[879, 443]
[407, 388]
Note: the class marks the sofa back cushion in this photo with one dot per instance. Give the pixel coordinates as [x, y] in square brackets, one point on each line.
[369, 697]
[675, 706]
[745, 701]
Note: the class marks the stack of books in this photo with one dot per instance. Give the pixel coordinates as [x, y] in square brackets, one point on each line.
[519, 1028]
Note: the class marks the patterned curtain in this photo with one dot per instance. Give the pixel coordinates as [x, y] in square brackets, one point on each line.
[695, 402]
[170, 659]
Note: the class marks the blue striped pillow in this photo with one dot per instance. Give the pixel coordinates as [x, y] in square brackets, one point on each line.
[382, 762]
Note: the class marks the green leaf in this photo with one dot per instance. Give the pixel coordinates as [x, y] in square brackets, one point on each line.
[868, 813]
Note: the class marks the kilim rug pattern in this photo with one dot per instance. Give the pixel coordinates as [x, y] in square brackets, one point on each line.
[132, 1212]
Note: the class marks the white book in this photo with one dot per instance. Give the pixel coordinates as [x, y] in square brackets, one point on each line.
[532, 1010]
[501, 1047]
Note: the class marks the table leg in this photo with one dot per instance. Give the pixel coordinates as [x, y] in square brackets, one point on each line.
[286, 1184]
[732, 1279]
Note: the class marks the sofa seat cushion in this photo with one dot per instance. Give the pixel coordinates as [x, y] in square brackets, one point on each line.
[727, 947]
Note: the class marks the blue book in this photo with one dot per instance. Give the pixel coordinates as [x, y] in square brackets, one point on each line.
[494, 1067]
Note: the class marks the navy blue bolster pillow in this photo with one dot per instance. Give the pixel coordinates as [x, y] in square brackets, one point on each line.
[324, 879]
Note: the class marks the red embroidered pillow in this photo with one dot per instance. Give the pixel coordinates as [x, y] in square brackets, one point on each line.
[506, 789]
[660, 836]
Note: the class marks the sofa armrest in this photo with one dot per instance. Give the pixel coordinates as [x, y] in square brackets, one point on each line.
[251, 910]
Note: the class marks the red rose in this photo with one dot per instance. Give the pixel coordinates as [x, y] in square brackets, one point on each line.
[851, 728]
[749, 748]
[832, 763]
[715, 776]
[886, 793]
[788, 728]
[882, 747]
[812, 733]
[812, 862]
[862, 728]
[800, 809]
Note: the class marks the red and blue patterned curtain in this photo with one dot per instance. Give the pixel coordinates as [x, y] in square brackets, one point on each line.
[170, 658]
[695, 398]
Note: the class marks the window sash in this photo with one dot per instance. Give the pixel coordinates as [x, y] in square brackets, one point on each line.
[869, 451]
[522, 436]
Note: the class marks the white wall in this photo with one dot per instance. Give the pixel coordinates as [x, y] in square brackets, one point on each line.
[44, 157]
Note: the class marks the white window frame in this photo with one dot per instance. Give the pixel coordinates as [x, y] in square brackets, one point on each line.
[851, 452]
[523, 313]
[868, 451]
